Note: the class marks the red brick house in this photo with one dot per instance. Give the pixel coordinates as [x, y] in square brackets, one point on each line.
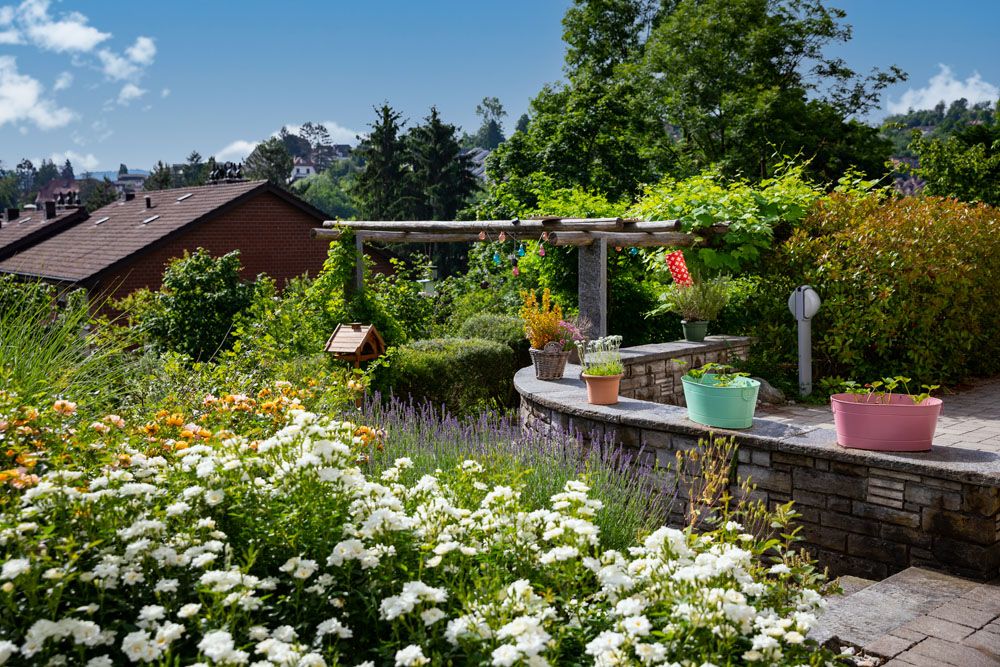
[126, 245]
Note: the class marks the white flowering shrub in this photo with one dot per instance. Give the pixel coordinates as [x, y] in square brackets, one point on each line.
[282, 552]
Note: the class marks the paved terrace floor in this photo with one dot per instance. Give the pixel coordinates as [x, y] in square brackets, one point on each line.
[969, 419]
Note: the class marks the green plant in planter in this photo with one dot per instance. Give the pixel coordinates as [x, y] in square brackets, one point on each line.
[880, 391]
[724, 374]
[697, 303]
[602, 356]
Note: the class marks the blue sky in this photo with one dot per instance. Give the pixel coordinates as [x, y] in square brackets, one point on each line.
[109, 82]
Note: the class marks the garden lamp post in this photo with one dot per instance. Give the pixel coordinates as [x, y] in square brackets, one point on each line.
[804, 302]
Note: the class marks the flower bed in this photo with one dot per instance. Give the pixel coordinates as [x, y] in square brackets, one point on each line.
[282, 550]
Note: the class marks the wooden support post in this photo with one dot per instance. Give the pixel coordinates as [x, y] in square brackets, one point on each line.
[593, 287]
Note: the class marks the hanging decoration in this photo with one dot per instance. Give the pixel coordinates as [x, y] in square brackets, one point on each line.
[521, 252]
[496, 258]
[633, 251]
[678, 268]
[541, 250]
[502, 237]
[482, 235]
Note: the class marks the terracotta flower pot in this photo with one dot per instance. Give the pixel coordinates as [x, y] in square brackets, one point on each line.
[602, 389]
[888, 424]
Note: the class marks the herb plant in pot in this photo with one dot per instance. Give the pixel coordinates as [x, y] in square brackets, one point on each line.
[717, 395]
[551, 337]
[601, 361]
[875, 417]
[697, 303]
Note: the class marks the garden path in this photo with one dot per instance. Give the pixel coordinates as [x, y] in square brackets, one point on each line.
[969, 419]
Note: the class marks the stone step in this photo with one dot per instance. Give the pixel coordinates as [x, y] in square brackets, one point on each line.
[851, 585]
[871, 612]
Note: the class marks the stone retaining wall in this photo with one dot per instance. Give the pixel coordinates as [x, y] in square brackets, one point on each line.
[653, 372]
[864, 513]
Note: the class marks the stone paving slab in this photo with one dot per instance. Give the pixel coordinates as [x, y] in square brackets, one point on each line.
[969, 420]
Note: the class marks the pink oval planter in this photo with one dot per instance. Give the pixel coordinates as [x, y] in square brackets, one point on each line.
[893, 424]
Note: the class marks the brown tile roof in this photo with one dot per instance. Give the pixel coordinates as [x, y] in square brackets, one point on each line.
[122, 230]
[31, 227]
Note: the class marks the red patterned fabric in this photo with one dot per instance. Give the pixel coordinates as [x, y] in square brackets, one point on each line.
[678, 268]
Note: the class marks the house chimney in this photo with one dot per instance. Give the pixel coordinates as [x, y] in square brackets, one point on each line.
[149, 202]
[50, 209]
[129, 195]
[12, 214]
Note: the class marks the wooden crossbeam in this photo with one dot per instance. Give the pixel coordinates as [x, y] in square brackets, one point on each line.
[623, 239]
[506, 226]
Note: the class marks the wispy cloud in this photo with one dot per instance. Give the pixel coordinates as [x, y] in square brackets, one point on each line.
[80, 162]
[944, 87]
[236, 150]
[165, 92]
[143, 51]
[129, 93]
[63, 81]
[22, 100]
[67, 32]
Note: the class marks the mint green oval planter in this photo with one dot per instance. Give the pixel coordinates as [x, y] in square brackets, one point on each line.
[725, 407]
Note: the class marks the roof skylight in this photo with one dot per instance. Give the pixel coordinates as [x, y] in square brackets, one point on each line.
[183, 197]
[150, 219]
[104, 219]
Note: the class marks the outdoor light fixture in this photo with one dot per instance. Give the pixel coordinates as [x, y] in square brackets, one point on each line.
[428, 285]
[804, 302]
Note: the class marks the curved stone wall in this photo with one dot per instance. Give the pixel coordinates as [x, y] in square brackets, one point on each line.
[864, 513]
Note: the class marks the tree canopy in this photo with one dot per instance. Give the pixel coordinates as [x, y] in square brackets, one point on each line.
[270, 161]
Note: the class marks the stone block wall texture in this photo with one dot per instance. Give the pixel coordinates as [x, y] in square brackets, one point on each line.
[653, 372]
[867, 516]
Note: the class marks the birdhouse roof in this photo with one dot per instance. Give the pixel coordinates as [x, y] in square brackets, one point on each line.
[352, 338]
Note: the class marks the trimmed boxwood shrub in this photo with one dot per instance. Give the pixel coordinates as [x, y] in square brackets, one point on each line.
[506, 329]
[464, 374]
[909, 287]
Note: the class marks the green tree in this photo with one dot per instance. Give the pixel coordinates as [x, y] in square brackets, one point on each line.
[294, 144]
[380, 189]
[270, 160]
[47, 172]
[326, 192]
[160, 178]
[97, 194]
[441, 176]
[193, 311]
[67, 170]
[122, 169]
[522, 123]
[490, 133]
[965, 165]
[8, 190]
[194, 171]
[744, 80]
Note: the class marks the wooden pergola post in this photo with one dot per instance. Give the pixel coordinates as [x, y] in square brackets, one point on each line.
[592, 290]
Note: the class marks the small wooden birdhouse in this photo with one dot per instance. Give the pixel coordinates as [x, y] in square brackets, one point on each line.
[356, 342]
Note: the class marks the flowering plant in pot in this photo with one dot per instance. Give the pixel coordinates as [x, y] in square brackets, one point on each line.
[551, 336]
[697, 303]
[601, 362]
[718, 395]
[874, 416]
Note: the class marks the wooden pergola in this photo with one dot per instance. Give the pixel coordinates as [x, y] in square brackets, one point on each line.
[591, 235]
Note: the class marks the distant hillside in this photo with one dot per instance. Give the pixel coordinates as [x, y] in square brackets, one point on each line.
[938, 122]
[113, 175]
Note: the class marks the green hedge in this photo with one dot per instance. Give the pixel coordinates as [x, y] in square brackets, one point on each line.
[909, 286]
[506, 329]
[464, 374]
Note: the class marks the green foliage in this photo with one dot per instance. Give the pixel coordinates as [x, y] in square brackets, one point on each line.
[439, 174]
[194, 310]
[753, 211]
[392, 303]
[938, 123]
[97, 194]
[380, 188]
[965, 166]
[505, 329]
[907, 286]
[490, 133]
[701, 301]
[161, 177]
[269, 161]
[465, 375]
[326, 192]
[47, 349]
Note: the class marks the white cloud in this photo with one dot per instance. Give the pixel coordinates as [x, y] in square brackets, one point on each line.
[63, 81]
[236, 150]
[10, 36]
[944, 87]
[129, 93]
[81, 163]
[142, 52]
[22, 100]
[338, 133]
[115, 66]
[165, 92]
[69, 32]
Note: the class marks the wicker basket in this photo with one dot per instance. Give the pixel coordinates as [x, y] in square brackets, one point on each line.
[549, 365]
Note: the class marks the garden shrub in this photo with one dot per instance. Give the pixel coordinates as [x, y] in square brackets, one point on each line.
[505, 329]
[465, 375]
[193, 312]
[908, 286]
